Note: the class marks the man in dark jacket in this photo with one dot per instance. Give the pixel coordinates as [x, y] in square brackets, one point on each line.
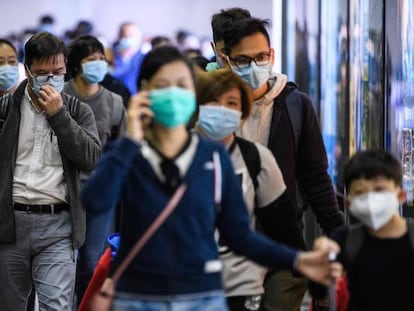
[302, 159]
[46, 138]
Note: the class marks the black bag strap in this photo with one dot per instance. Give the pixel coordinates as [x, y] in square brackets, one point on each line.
[354, 241]
[4, 108]
[410, 228]
[118, 115]
[251, 157]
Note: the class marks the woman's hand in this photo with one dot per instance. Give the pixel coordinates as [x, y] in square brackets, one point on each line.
[317, 264]
[138, 112]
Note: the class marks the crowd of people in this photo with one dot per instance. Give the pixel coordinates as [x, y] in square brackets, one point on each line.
[97, 140]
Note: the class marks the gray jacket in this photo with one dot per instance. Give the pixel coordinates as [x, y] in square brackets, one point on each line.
[79, 147]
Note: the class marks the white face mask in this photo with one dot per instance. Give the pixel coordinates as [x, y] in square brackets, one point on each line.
[374, 209]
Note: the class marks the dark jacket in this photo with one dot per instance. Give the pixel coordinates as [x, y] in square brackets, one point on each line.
[304, 171]
[79, 147]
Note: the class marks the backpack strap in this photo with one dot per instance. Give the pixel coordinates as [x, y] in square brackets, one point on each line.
[354, 241]
[118, 113]
[251, 158]
[293, 102]
[410, 228]
[4, 108]
[72, 104]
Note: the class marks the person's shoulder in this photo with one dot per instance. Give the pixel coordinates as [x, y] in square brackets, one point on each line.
[207, 143]
[75, 105]
[292, 87]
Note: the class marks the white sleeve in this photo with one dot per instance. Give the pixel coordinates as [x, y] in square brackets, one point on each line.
[270, 179]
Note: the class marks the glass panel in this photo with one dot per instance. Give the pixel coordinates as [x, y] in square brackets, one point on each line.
[400, 88]
[301, 46]
[334, 87]
[366, 74]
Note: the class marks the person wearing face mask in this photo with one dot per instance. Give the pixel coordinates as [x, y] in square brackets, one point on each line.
[219, 22]
[128, 55]
[46, 138]
[9, 67]
[87, 67]
[283, 119]
[377, 253]
[179, 267]
[225, 101]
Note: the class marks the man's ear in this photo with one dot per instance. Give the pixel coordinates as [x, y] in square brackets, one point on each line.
[272, 56]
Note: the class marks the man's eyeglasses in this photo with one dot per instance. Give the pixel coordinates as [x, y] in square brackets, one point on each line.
[243, 62]
[44, 78]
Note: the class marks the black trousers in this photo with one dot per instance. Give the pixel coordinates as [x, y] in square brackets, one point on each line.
[245, 303]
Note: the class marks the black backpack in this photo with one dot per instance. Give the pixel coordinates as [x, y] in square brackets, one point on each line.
[251, 158]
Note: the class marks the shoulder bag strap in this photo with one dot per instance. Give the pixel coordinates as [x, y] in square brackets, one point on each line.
[150, 231]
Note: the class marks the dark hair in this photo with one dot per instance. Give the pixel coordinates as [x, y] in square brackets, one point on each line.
[212, 84]
[43, 46]
[244, 28]
[220, 21]
[80, 48]
[370, 164]
[200, 61]
[160, 40]
[159, 57]
[47, 19]
[7, 42]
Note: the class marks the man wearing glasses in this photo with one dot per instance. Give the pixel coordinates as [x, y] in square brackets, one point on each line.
[46, 138]
[302, 159]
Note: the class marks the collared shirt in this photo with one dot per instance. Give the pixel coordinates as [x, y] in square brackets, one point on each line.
[183, 161]
[38, 174]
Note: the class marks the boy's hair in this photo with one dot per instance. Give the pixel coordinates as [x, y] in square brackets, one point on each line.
[370, 164]
[243, 28]
[213, 84]
[43, 46]
[79, 48]
[220, 21]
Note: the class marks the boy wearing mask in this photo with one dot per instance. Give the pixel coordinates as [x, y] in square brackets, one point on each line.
[377, 254]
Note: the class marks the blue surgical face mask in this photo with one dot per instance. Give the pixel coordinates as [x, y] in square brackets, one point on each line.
[127, 43]
[58, 85]
[9, 76]
[94, 71]
[172, 106]
[57, 81]
[254, 75]
[217, 122]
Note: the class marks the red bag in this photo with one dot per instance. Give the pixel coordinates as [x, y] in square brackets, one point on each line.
[341, 295]
[92, 297]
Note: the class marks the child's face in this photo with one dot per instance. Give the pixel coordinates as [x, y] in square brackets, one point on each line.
[377, 184]
[374, 202]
